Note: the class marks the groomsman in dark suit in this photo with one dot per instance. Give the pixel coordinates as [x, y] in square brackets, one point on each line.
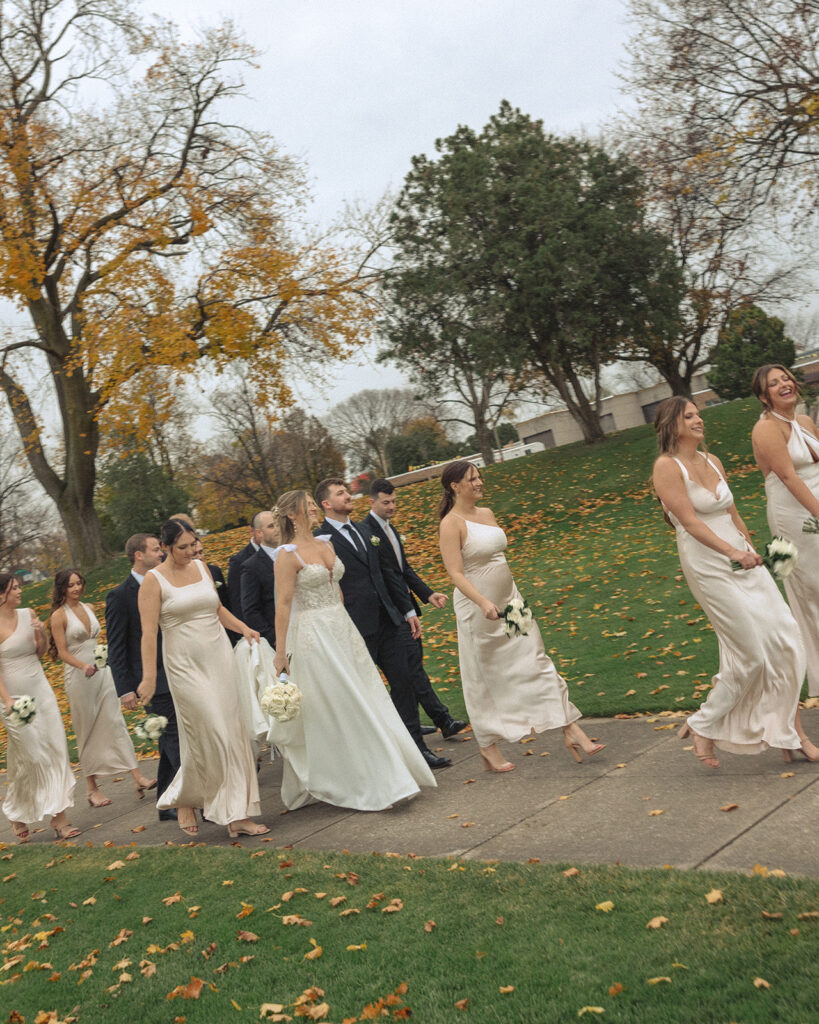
[257, 590]
[124, 632]
[391, 552]
[235, 563]
[377, 605]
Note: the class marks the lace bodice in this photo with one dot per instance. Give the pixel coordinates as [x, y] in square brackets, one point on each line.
[317, 586]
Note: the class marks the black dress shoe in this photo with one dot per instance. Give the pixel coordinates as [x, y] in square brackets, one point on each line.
[427, 730]
[451, 727]
[433, 760]
[168, 815]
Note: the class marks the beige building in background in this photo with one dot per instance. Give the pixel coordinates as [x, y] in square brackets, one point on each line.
[617, 412]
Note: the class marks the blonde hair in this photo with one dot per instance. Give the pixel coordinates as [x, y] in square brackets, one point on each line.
[291, 503]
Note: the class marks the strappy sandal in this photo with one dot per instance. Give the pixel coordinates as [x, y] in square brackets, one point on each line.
[21, 832]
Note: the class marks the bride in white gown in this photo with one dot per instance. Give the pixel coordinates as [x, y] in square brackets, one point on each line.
[761, 658]
[511, 687]
[356, 751]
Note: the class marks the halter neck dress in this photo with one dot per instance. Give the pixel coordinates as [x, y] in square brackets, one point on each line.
[785, 517]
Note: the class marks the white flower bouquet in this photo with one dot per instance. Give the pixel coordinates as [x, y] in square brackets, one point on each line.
[810, 525]
[517, 617]
[101, 655]
[152, 728]
[23, 710]
[780, 557]
[281, 699]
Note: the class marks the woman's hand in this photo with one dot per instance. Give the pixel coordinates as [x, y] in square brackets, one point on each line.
[251, 635]
[281, 664]
[90, 670]
[9, 704]
[146, 690]
[490, 611]
[747, 559]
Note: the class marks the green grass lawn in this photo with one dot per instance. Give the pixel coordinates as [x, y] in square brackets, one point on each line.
[88, 928]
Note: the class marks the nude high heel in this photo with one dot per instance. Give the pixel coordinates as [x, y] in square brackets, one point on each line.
[505, 766]
[576, 740]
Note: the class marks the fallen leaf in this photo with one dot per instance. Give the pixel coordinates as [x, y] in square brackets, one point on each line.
[606, 906]
[429, 925]
[506, 989]
[714, 896]
[657, 981]
[571, 873]
[337, 900]
[247, 937]
[246, 911]
[170, 900]
[139, 828]
[616, 989]
[729, 807]
[808, 915]
[761, 983]
[116, 865]
[353, 948]
[315, 952]
[590, 1009]
[653, 814]
[461, 1004]
[772, 917]
[657, 922]
[189, 991]
[787, 775]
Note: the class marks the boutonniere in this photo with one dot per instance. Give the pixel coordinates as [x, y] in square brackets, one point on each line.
[402, 537]
[217, 584]
[375, 541]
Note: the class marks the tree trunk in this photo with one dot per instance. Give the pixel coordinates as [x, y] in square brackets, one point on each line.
[571, 391]
[485, 442]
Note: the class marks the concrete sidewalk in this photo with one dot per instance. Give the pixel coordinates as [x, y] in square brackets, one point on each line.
[644, 801]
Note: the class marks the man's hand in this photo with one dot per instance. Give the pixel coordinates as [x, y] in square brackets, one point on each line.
[129, 701]
[415, 627]
[437, 600]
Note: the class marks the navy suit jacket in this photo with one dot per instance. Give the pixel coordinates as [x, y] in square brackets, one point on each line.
[415, 585]
[258, 595]
[124, 631]
[364, 588]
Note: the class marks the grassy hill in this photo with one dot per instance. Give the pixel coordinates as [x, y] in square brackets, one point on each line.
[591, 552]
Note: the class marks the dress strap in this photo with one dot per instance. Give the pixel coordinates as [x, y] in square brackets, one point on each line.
[799, 432]
[714, 467]
[288, 547]
[682, 467]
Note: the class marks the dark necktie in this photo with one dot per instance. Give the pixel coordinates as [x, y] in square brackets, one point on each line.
[353, 536]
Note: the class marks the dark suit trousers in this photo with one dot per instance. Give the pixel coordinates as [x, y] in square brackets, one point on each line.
[162, 704]
[389, 650]
[428, 699]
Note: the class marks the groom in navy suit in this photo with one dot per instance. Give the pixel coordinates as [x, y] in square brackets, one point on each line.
[394, 561]
[376, 604]
[124, 632]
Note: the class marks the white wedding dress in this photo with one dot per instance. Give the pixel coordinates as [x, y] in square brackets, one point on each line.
[785, 517]
[352, 749]
[761, 658]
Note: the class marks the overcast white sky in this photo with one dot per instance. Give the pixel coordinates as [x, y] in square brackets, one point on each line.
[357, 87]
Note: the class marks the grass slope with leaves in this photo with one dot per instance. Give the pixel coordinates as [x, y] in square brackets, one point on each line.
[197, 935]
[590, 551]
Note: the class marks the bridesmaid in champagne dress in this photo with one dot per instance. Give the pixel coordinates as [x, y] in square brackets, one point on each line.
[39, 780]
[786, 448]
[511, 687]
[761, 658]
[218, 769]
[103, 742]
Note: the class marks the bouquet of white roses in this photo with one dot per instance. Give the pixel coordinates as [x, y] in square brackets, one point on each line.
[810, 525]
[23, 710]
[101, 655]
[281, 699]
[517, 617]
[152, 728]
[779, 558]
